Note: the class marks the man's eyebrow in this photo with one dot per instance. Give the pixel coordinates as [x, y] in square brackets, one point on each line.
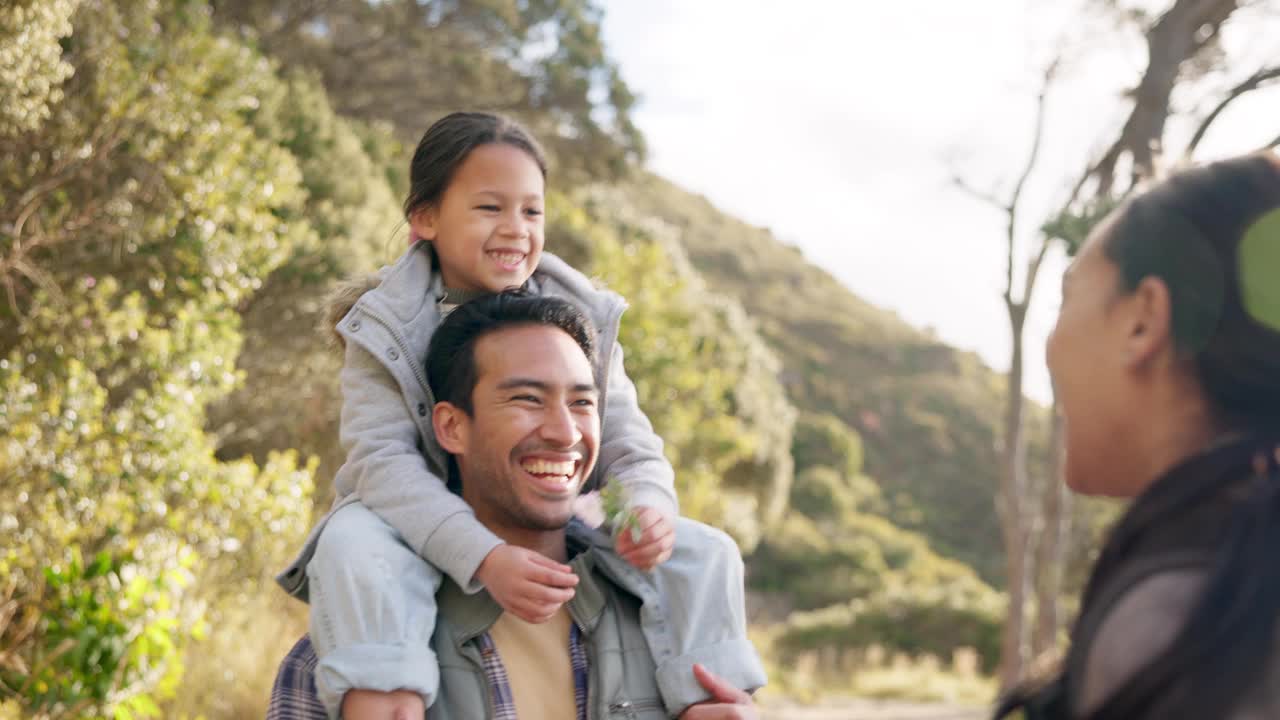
[520, 382]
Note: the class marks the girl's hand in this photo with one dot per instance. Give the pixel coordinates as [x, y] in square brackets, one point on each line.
[525, 583]
[647, 539]
[727, 702]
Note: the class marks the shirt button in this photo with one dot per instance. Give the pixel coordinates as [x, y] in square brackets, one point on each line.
[354, 325]
[391, 353]
[422, 409]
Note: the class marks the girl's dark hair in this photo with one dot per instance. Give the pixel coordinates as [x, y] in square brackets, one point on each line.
[1187, 231]
[451, 357]
[449, 141]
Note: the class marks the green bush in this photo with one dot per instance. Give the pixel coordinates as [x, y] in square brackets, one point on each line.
[913, 620]
[138, 216]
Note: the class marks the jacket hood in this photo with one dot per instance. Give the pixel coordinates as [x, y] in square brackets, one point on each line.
[341, 300]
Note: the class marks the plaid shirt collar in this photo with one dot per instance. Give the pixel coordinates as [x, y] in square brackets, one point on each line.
[504, 707]
[294, 696]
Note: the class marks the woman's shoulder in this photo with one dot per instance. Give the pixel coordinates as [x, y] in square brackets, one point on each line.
[1143, 623]
[1139, 625]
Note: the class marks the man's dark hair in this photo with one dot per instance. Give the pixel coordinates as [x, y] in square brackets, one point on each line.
[451, 357]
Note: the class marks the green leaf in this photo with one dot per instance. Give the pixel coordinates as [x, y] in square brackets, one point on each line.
[144, 706]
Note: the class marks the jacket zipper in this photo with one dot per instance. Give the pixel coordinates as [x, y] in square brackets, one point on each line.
[404, 349]
[432, 447]
[631, 708]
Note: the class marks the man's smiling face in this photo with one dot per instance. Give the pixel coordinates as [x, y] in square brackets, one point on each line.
[533, 434]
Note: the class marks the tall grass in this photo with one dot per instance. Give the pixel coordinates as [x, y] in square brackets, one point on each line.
[229, 673]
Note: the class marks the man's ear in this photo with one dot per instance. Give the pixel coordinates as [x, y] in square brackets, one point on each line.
[424, 222]
[452, 426]
[1150, 323]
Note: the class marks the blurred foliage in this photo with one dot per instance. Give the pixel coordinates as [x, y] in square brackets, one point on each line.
[139, 213]
[31, 64]
[290, 396]
[409, 63]
[183, 183]
[1072, 226]
[914, 619]
[823, 493]
[858, 580]
[825, 440]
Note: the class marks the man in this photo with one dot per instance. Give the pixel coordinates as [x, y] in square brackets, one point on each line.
[517, 410]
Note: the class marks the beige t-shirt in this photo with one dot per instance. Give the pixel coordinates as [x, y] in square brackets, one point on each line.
[536, 658]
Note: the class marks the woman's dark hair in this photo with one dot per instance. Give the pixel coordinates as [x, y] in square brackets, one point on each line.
[1187, 231]
[449, 141]
[451, 358]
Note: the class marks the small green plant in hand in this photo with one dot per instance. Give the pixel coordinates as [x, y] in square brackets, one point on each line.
[613, 499]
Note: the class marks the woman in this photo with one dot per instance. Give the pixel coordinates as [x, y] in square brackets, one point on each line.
[1166, 363]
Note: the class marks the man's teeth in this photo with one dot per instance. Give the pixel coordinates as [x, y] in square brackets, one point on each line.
[546, 467]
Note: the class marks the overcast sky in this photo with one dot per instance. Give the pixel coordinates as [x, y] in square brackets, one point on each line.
[838, 125]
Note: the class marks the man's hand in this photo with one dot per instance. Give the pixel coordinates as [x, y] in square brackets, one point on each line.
[727, 702]
[525, 583]
[657, 538]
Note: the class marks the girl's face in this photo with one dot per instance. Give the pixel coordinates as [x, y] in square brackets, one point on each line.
[488, 226]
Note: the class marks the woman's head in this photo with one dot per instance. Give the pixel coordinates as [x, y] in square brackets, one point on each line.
[1169, 330]
[476, 191]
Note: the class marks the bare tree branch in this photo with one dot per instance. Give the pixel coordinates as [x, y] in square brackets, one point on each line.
[1033, 270]
[1255, 81]
[1038, 137]
[1172, 40]
[1274, 143]
[1010, 207]
[1012, 497]
[986, 197]
[1032, 158]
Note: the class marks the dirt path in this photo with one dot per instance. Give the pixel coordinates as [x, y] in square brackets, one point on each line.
[858, 709]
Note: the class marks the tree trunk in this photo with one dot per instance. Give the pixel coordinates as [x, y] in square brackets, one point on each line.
[1012, 518]
[1175, 37]
[1051, 548]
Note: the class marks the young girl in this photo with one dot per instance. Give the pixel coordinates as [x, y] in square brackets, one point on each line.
[476, 204]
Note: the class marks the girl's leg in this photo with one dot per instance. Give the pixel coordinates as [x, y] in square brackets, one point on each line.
[373, 610]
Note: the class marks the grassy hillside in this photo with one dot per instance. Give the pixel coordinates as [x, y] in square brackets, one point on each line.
[928, 414]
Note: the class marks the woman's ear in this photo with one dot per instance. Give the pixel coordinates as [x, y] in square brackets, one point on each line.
[452, 427]
[1150, 320]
